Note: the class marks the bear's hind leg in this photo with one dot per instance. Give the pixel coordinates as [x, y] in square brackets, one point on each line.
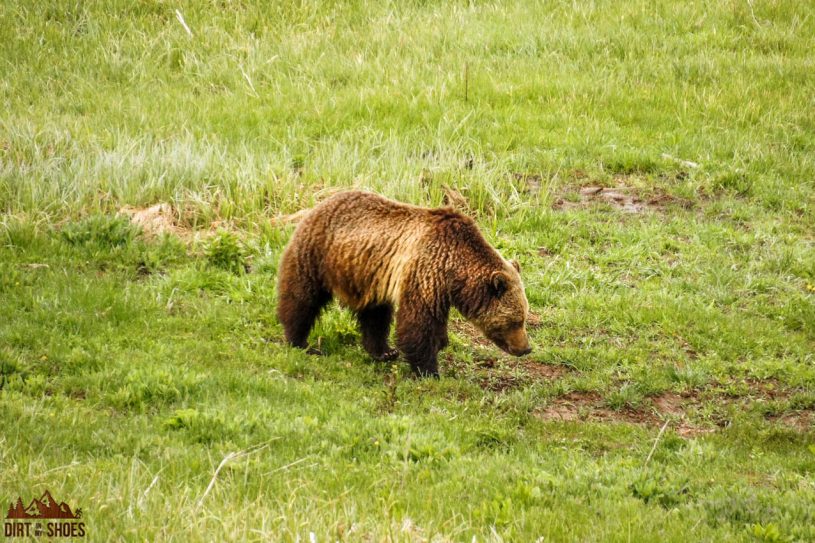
[299, 314]
[375, 324]
[300, 301]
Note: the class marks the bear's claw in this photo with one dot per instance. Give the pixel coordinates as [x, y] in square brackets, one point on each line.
[390, 354]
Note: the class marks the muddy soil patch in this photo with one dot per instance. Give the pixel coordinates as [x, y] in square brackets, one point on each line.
[500, 382]
[543, 372]
[499, 372]
[802, 421]
[677, 408]
[505, 375]
[590, 407]
[621, 198]
[752, 388]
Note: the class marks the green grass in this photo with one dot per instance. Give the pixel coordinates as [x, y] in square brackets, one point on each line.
[131, 366]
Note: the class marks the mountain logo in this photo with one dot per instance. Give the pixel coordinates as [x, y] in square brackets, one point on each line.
[44, 507]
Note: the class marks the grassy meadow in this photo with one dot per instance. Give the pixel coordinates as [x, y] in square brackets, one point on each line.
[651, 164]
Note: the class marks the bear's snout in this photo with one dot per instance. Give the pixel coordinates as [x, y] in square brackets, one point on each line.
[514, 342]
[523, 352]
[518, 342]
[519, 350]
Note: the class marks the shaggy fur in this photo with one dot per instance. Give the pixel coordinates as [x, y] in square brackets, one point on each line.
[373, 254]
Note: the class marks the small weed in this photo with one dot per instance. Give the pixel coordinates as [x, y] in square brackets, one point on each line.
[158, 257]
[227, 252]
[768, 533]
[182, 418]
[493, 438]
[102, 231]
[668, 492]
[757, 512]
[690, 375]
[428, 450]
[149, 388]
[199, 428]
[499, 511]
[628, 396]
[10, 369]
[391, 389]
[737, 182]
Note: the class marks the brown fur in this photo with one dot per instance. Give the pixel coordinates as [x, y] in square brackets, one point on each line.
[374, 254]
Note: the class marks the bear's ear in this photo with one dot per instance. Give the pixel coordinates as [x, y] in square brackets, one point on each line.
[516, 265]
[499, 282]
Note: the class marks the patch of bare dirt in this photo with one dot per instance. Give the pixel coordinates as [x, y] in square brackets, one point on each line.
[154, 220]
[590, 407]
[501, 381]
[803, 421]
[671, 404]
[475, 336]
[163, 218]
[547, 372]
[571, 406]
[623, 198]
[751, 387]
[675, 408]
[531, 183]
[681, 161]
[509, 374]
[662, 200]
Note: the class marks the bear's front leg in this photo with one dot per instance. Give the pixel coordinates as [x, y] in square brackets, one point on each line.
[375, 323]
[420, 336]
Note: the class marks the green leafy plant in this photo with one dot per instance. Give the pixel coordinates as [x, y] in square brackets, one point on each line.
[102, 231]
[225, 251]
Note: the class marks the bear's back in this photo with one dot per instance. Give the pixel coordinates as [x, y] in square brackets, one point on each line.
[367, 245]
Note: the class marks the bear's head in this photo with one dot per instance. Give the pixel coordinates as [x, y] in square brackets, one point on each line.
[502, 308]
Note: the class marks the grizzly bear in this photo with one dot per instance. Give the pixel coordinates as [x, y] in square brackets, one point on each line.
[373, 254]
